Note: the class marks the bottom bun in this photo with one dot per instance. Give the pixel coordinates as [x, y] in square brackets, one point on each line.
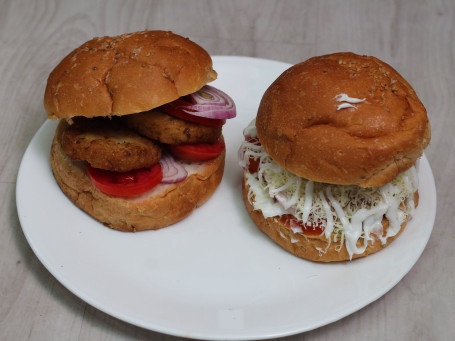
[308, 247]
[162, 206]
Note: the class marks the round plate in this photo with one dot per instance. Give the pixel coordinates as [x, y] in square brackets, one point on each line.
[213, 275]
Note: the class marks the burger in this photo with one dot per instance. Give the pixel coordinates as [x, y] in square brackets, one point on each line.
[139, 142]
[330, 160]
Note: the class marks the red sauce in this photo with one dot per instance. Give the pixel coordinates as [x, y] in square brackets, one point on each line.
[307, 229]
[253, 164]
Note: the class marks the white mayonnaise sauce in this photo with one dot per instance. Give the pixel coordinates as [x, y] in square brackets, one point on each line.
[348, 100]
[250, 130]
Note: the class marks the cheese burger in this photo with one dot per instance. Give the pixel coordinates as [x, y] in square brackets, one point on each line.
[329, 162]
[139, 144]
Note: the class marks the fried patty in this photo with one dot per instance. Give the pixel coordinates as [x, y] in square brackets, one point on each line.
[107, 144]
[168, 129]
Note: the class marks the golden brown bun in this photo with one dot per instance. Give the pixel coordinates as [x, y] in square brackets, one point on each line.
[160, 207]
[306, 246]
[301, 129]
[126, 74]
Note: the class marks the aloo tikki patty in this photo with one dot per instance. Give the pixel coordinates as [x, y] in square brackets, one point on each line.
[106, 144]
[168, 129]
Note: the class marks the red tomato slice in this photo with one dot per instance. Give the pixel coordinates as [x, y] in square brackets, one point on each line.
[308, 230]
[174, 109]
[125, 183]
[197, 151]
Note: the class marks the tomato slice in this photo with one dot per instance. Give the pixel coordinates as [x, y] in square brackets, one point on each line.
[308, 230]
[175, 109]
[125, 183]
[197, 151]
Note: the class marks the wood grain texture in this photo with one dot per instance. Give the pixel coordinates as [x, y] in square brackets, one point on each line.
[416, 37]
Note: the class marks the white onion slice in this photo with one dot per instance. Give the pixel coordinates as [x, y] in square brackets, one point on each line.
[208, 102]
[172, 170]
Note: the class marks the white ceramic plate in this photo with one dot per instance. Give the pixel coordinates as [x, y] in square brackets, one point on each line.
[214, 275]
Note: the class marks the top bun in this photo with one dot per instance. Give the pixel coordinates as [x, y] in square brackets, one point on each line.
[126, 74]
[303, 129]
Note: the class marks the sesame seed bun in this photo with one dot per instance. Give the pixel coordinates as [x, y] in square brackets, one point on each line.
[301, 126]
[126, 74]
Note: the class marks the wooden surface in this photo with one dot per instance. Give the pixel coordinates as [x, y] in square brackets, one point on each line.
[416, 37]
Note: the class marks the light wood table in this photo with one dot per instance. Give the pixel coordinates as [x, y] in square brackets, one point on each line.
[416, 37]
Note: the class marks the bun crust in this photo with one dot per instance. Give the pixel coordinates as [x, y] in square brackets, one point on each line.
[126, 74]
[164, 205]
[301, 129]
[307, 246]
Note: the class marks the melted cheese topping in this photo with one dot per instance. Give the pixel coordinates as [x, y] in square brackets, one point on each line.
[349, 213]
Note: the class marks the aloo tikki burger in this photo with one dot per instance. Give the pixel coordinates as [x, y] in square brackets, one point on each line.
[330, 160]
[139, 141]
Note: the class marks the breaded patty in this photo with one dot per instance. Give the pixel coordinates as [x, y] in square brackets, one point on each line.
[168, 129]
[106, 144]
